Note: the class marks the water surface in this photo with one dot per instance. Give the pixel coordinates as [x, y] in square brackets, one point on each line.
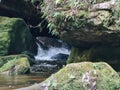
[8, 82]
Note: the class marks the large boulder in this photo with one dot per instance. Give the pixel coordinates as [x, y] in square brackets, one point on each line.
[14, 64]
[81, 76]
[15, 37]
[84, 23]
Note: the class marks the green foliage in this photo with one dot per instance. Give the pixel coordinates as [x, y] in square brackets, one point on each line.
[8, 65]
[72, 14]
[116, 15]
[66, 15]
[14, 64]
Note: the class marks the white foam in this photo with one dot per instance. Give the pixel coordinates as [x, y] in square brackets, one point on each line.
[47, 54]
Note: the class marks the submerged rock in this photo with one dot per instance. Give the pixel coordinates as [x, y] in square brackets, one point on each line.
[44, 69]
[47, 67]
[14, 64]
[81, 76]
[15, 37]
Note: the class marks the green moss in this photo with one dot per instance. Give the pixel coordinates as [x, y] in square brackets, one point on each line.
[110, 55]
[116, 16]
[5, 27]
[71, 77]
[14, 64]
[74, 55]
[105, 81]
[79, 55]
[75, 15]
[23, 66]
[15, 36]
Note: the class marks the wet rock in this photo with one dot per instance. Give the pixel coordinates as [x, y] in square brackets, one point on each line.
[47, 67]
[44, 69]
[88, 39]
[60, 56]
[47, 42]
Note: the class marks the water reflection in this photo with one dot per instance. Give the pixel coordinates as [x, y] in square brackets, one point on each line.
[8, 82]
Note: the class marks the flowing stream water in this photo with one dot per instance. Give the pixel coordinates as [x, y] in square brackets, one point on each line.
[8, 82]
[51, 51]
[50, 58]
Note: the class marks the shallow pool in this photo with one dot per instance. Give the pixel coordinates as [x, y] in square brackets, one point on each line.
[8, 82]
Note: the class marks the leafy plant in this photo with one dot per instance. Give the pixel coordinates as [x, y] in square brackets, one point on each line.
[73, 14]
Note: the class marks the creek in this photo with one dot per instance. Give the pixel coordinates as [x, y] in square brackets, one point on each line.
[51, 56]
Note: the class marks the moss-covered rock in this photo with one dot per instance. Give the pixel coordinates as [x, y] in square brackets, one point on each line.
[81, 76]
[14, 64]
[110, 55]
[15, 36]
[78, 55]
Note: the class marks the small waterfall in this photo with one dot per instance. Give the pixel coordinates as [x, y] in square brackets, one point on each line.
[51, 56]
[44, 54]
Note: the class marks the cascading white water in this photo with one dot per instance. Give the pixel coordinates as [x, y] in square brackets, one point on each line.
[47, 54]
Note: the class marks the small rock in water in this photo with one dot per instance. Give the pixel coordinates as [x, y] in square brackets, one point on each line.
[10, 86]
[60, 56]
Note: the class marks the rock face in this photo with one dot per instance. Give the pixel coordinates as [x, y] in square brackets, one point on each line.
[47, 42]
[81, 76]
[15, 37]
[22, 8]
[110, 55]
[14, 64]
[86, 25]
